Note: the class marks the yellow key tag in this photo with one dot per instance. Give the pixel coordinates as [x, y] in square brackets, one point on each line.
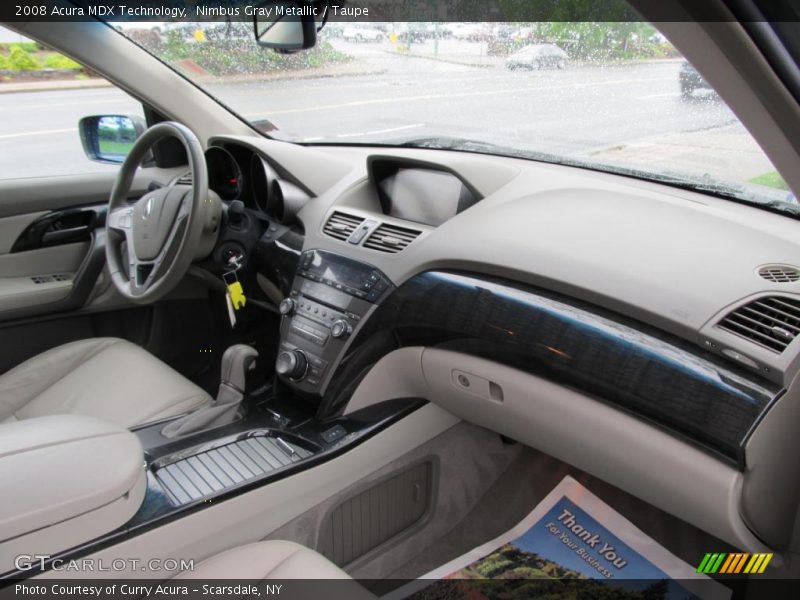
[236, 294]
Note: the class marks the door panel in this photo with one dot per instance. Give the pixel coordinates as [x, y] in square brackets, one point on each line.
[52, 241]
[46, 280]
[12, 227]
[55, 259]
[52, 265]
[56, 268]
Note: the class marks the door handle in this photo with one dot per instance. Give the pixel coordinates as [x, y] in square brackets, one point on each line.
[61, 236]
[61, 227]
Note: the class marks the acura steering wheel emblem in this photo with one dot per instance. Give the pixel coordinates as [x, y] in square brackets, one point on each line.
[148, 208]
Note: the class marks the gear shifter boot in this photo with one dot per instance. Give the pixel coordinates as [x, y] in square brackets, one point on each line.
[236, 361]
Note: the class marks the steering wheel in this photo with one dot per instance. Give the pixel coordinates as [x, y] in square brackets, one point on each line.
[163, 229]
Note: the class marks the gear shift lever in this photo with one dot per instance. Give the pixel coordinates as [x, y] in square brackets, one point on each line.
[236, 361]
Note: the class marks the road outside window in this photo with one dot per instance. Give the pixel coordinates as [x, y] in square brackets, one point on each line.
[43, 95]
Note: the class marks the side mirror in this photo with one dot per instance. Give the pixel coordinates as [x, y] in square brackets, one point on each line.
[285, 25]
[109, 138]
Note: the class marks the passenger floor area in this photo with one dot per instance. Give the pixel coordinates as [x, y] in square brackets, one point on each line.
[527, 480]
[478, 486]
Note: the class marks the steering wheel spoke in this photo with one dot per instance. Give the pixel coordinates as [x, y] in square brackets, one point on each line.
[141, 275]
[162, 231]
[144, 273]
[120, 219]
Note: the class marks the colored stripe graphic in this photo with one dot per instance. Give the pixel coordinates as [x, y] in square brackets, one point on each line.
[739, 565]
[736, 562]
[765, 562]
[757, 566]
[725, 568]
[710, 564]
[752, 563]
[703, 563]
[718, 564]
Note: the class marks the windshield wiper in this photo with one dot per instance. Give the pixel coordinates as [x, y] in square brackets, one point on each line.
[783, 206]
[763, 198]
[478, 146]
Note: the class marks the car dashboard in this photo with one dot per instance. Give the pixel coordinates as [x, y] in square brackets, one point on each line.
[676, 308]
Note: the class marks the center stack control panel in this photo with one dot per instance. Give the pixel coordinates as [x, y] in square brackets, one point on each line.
[330, 296]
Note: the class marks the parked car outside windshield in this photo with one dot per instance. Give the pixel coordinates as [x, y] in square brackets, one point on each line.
[538, 56]
[691, 81]
[361, 34]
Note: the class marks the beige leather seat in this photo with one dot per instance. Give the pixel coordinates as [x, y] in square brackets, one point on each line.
[272, 559]
[106, 378]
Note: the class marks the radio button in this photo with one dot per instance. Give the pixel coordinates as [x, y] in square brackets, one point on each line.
[286, 306]
[316, 361]
[340, 329]
[291, 364]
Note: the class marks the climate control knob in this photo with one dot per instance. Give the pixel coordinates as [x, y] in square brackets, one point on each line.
[286, 307]
[292, 364]
[340, 328]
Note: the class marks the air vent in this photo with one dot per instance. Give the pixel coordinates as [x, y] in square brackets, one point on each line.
[388, 238]
[185, 179]
[341, 225]
[779, 273]
[771, 322]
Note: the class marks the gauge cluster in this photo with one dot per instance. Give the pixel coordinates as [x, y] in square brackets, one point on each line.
[238, 173]
[224, 174]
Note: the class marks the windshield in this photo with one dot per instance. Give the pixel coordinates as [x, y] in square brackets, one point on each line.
[609, 96]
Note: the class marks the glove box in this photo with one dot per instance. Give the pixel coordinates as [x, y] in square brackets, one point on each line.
[65, 481]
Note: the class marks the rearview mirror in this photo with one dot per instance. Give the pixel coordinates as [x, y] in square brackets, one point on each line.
[109, 138]
[285, 25]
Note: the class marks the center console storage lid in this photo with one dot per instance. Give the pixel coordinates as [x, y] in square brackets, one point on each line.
[60, 468]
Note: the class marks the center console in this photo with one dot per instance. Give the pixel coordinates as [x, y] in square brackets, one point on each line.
[331, 296]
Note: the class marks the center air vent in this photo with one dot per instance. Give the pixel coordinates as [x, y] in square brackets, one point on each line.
[779, 273]
[341, 225]
[771, 322]
[388, 238]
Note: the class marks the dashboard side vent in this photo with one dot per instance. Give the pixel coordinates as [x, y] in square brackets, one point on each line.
[340, 225]
[389, 238]
[779, 273]
[185, 179]
[771, 322]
